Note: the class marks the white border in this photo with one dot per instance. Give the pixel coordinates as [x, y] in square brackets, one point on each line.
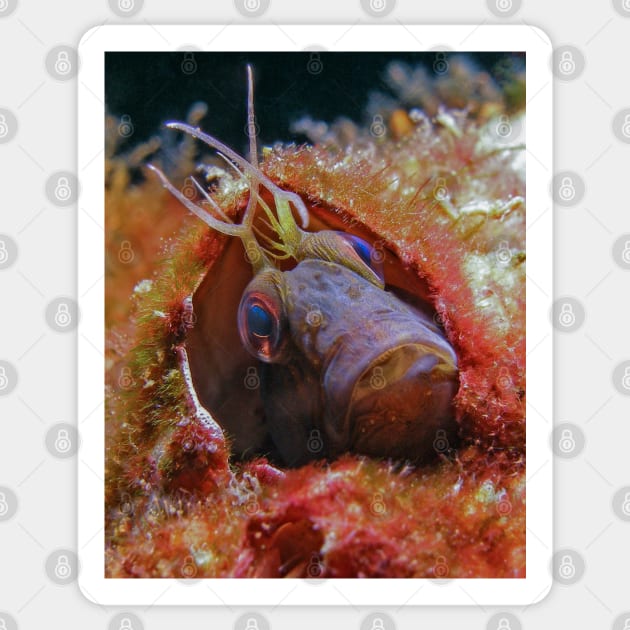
[265, 592]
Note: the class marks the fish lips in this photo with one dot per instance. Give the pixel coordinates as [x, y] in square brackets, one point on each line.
[389, 398]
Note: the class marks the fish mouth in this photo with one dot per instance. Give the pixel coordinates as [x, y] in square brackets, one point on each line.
[394, 399]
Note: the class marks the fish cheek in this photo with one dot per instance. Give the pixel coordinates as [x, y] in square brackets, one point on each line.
[292, 404]
[225, 376]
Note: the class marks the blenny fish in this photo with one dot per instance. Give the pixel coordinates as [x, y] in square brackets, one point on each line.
[340, 361]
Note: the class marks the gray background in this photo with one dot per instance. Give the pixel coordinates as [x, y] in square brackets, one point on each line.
[38, 270]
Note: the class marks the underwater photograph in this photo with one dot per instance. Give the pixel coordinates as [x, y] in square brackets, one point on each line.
[315, 315]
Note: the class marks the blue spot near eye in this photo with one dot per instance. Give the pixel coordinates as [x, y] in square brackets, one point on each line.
[362, 248]
[259, 321]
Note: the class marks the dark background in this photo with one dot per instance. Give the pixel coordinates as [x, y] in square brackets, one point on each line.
[151, 88]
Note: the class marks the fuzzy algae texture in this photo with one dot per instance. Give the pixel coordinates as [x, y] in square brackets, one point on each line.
[441, 190]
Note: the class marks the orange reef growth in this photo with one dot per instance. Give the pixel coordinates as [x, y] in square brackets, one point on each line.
[442, 193]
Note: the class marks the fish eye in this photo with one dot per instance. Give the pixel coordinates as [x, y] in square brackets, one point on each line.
[259, 321]
[260, 324]
[370, 256]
